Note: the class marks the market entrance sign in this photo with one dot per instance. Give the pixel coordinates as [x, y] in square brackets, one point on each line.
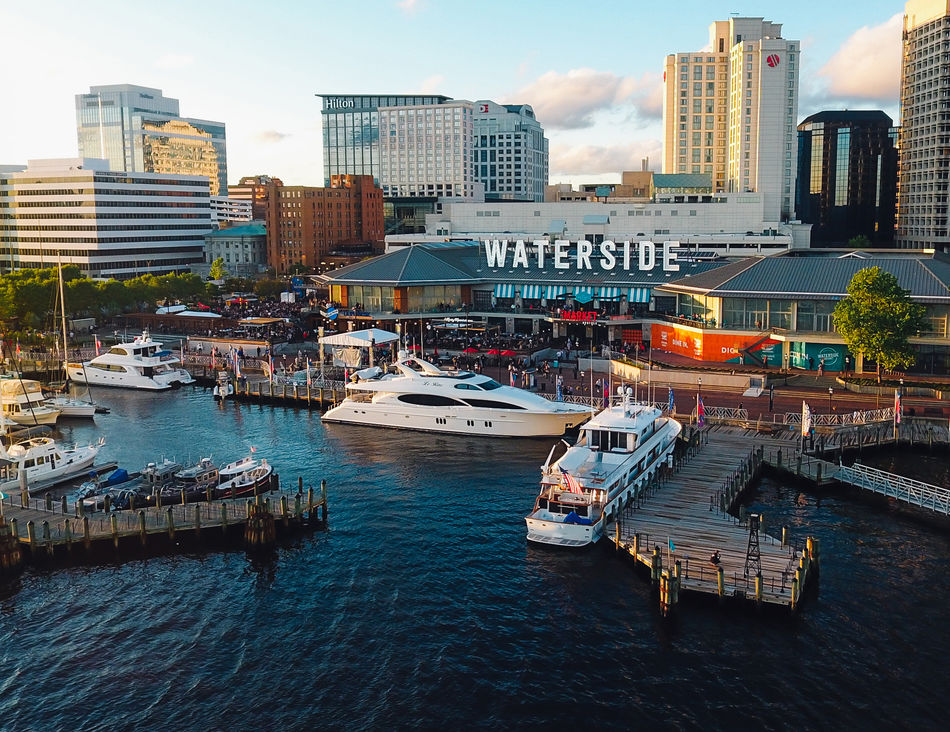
[606, 256]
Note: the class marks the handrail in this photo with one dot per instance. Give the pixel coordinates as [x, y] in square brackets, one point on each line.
[909, 490]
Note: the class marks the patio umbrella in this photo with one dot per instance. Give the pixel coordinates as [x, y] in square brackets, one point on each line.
[470, 350]
[508, 352]
[414, 347]
[493, 352]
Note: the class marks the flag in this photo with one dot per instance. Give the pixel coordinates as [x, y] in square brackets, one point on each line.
[570, 482]
[670, 404]
[237, 364]
[806, 419]
[897, 407]
[270, 366]
[17, 347]
[672, 545]
[559, 391]
[700, 411]
[253, 449]
[309, 380]
[99, 345]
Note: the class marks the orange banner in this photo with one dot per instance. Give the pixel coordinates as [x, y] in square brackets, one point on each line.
[713, 346]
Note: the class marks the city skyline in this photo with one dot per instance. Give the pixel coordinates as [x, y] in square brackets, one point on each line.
[593, 79]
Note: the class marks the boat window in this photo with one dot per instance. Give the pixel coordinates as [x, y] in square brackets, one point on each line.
[489, 384]
[467, 386]
[491, 404]
[118, 351]
[429, 400]
[606, 440]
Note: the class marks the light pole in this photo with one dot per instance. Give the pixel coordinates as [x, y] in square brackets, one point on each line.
[830, 394]
[902, 387]
[699, 390]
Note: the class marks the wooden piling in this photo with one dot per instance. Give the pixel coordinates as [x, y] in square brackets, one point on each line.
[47, 538]
[143, 534]
[170, 519]
[323, 497]
[114, 524]
[86, 538]
[224, 519]
[68, 535]
[31, 535]
[758, 589]
[657, 564]
[720, 582]
[285, 514]
[65, 505]
[197, 520]
[784, 536]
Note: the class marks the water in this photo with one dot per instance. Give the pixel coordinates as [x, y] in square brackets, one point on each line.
[422, 607]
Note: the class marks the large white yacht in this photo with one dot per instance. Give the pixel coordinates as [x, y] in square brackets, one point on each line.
[617, 452]
[421, 396]
[23, 402]
[141, 364]
[45, 463]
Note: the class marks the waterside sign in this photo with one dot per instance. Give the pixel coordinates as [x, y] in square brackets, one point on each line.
[606, 256]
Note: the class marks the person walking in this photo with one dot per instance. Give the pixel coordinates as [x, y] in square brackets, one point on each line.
[821, 367]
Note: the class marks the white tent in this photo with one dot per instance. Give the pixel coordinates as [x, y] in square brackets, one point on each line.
[360, 338]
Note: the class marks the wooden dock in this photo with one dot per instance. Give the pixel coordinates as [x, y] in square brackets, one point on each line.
[44, 531]
[676, 526]
[256, 388]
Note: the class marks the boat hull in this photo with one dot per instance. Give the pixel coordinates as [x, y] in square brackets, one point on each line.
[83, 374]
[469, 422]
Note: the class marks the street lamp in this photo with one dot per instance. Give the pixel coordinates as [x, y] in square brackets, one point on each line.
[902, 388]
[830, 394]
[700, 389]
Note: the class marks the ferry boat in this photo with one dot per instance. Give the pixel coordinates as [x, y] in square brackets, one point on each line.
[421, 396]
[617, 452]
[140, 364]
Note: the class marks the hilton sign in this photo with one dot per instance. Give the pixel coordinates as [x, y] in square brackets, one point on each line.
[337, 103]
[608, 255]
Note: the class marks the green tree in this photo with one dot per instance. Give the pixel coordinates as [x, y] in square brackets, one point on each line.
[269, 288]
[878, 318]
[859, 242]
[218, 272]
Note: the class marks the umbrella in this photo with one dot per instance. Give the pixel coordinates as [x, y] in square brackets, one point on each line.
[493, 352]
[508, 352]
[470, 350]
[414, 347]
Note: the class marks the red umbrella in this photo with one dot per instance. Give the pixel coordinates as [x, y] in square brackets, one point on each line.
[202, 306]
[493, 352]
[414, 347]
[508, 353]
[470, 350]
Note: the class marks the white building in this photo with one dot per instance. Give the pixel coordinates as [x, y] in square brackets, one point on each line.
[724, 224]
[427, 151]
[109, 224]
[511, 152]
[922, 208]
[730, 111]
[231, 209]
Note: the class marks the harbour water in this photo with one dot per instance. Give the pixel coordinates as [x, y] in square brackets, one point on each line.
[422, 607]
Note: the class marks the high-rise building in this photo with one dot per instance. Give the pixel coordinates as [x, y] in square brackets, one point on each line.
[137, 129]
[305, 224]
[847, 176]
[730, 111]
[351, 130]
[511, 152]
[923, 202]
[108, 223]
[427, 151]
[256, 189]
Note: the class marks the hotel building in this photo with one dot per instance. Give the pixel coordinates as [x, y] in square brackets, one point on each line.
[108, 223]
[137, 129]
[511, 152]
[730, 112]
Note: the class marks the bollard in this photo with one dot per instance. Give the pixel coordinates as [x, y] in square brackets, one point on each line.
[47, 539]
[114, 523]
[142, 533]
[170, 520]
[720, 582]
[31, 534]
[86, 538]
[784, 536]
[297, 509]
[224, 519]
[758, 589]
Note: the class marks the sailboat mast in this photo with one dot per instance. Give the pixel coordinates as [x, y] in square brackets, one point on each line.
[62, 312]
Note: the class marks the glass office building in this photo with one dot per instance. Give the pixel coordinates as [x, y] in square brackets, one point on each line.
[351, 131]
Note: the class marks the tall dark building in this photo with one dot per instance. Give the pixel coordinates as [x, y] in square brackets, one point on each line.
[847, 176]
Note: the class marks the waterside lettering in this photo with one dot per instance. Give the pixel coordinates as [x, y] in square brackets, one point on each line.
[606, 255]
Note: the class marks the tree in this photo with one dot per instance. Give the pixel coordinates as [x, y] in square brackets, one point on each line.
[269, 288]
[218, 272]
[878, 318]
[859, 242]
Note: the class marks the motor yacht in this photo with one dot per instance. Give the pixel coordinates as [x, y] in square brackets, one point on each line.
[45, 463]
[140, 364]
[23, 402]
[616, 454]
[421, 396]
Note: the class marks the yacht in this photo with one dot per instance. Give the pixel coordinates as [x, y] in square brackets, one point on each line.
[23, 402]
[421, 396]
[141, 364]
[71, 407]
[45, 463]
[617, 452]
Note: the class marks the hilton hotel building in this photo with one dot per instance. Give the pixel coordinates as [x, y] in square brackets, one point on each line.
[730, 111]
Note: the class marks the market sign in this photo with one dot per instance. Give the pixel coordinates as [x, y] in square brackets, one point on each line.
[578, 316]
[607, 255]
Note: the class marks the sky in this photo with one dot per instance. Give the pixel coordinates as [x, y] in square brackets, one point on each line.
[591, 71]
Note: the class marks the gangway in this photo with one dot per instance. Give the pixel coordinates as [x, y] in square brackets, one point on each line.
[908, 490]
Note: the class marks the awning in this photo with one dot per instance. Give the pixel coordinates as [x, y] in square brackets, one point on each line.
[638, 294]
[507, 290]
[584, 291]
[360, 338]
[609, 293]
[530, 292]
[593, 219]
[553, 291]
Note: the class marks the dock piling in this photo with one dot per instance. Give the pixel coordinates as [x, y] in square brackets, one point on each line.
[114, 523]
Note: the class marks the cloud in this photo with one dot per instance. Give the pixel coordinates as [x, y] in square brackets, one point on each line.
[270, 137]
[432, 85]
[408, 6]
[571, 100]
[596, 159]
[867, 67]
[174, 61]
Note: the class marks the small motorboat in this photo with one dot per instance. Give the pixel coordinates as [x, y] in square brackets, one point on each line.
[250, 482]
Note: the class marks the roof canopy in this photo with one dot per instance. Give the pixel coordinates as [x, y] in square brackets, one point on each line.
[360, 338]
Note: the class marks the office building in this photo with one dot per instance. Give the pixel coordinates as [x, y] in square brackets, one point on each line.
[226, 210]
[847, 176]
[107, 223]
[427, 151]
[255, 189]
[351, 130]
[137, 129]
[242, 249]
[305, 224]
[730, 112]
[511, 152]
[923, 202]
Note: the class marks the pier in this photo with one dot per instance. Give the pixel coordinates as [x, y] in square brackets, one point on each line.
[675, 528]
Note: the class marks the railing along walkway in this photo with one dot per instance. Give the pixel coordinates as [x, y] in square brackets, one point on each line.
[908, 490]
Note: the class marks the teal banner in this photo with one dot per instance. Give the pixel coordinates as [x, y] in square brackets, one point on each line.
[808, 356]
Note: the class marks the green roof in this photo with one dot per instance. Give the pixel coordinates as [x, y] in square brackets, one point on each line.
[682, 180]
[234, 232]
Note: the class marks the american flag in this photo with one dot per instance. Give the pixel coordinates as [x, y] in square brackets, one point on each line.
[571, 482]
[700, 411]
[98, 345]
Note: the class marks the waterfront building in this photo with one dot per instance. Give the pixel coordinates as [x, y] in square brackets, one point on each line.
[242, 248]
[226, 210]
[138, 129]
[730, 110]
[427, 151]
[108, 223]
[847, 176]
[256, 189]
[510, 152]
[306, 223]
[923, 204]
